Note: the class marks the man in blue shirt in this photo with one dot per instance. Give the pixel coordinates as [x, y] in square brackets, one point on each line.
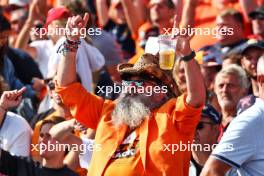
[242, 146]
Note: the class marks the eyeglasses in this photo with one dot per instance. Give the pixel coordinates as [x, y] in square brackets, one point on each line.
[200, 125]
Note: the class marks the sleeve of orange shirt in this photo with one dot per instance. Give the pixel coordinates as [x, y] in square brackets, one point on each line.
[186, 117]
[85, 107]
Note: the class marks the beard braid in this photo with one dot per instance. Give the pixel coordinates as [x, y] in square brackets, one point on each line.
[130, 111]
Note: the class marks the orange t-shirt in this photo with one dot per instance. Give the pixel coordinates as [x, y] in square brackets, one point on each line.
[173, 124]
[126, 158]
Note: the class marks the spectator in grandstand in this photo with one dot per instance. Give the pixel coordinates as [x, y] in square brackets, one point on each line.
[231, 84]
[245, 136]
[257, 16]
[57, 109]
[17, 143]
[205, 140]
[7, 67]
[162, 13]
[40, 50]
[230, 33]
[52, 158]
[251, 52]
[63, 132]
[113, 18]
[89, 58]
[118, 124]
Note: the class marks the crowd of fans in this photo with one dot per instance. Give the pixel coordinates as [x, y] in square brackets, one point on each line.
[60, 113]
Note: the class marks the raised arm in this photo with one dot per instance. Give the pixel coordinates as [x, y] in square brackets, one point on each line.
[23, 36]
[188, 13]
[133, 16]
[62, 132]
[85, 107]
[102, 12]
[66, 74]
[248, 6]
[194, 79]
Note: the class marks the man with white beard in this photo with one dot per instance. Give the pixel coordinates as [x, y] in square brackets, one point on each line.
[138, 132]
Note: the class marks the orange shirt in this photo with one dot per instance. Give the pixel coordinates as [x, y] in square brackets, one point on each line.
[126, 158]
[172, 124]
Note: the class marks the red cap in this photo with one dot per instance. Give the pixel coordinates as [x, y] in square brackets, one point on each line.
[56, 14]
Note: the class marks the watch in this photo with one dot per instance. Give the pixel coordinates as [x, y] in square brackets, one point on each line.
[189, 57]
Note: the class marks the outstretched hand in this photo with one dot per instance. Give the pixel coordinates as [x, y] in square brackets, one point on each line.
[74, 26]
[11, 99]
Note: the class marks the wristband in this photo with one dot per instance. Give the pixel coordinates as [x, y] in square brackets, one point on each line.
[188, 57]
[68, 46]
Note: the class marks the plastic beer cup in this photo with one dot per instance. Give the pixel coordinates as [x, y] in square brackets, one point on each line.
[166, 52]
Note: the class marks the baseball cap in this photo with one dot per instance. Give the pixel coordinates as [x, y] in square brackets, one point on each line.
[56, 14]
[251, 43]
[258, 13]
[209, 58]
[210, 112]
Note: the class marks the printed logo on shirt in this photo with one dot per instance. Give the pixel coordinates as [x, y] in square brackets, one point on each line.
[128, 147]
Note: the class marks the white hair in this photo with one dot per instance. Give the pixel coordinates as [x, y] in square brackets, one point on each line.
[237, 71]
[260, 67]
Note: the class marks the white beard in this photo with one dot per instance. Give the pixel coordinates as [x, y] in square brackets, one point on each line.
[130, 111]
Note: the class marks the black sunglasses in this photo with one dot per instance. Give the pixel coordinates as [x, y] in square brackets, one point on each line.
[201, 125]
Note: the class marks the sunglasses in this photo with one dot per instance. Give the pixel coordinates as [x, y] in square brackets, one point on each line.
[201, 125]
[137, 83]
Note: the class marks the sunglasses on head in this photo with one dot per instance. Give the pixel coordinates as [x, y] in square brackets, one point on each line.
[201, 125]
